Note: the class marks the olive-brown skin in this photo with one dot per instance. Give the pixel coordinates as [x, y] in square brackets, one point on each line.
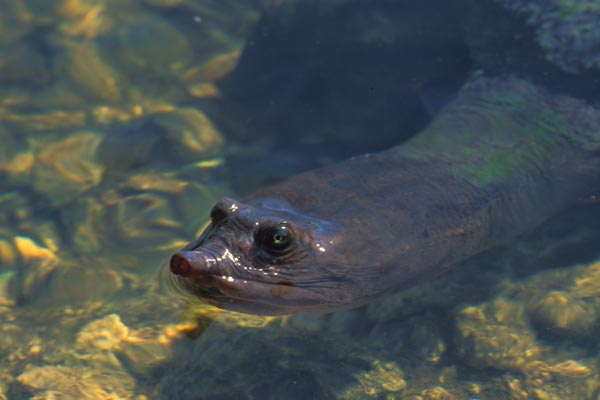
[499, 160]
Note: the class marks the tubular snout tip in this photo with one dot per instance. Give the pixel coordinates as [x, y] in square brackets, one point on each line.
[180, 263]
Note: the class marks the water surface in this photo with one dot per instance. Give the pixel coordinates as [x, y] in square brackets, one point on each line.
[122, 122]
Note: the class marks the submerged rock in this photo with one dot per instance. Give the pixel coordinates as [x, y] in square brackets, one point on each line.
[85, 225]
[66, 168]
[82, 281]
[384, 381]
[88, 19]
[436, 393]
[8, 255]
[36, 266]
[191, 134]
[565, 302]
[104, 334]
[495, 335]
[146, 352]
[74, 384]
[524, 329]
[8, 150]
[147, 47]
[142, 218]
[131, 145]
[562, 313]
[168, 139]
[566, 29]
[147, 211]
[139, 351]
[90, 74]
[26, 123]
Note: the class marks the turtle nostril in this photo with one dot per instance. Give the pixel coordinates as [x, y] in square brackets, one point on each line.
[180, 265]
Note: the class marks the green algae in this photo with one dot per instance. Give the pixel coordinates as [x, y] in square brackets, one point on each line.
[485, 164]
[495, 133]
[509, 99]
[499, 166]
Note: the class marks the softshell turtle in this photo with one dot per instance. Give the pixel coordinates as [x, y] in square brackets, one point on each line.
[504, 155]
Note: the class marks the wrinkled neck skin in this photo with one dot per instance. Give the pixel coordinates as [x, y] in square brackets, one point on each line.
[496, 162]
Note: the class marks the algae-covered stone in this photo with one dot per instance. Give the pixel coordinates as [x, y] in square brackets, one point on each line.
[214, 69]
[144, 351]
[131, 145]
[145, 219]
[569, 379]
[158, 182]
[71, 383]
[8, 255]
[187, 198]
[43, 231]
[191, 134]
[85, 225]
[84, 18]
[66, 168]
[565, 302]
[201, 79]
[495, 335]
[54, 120]
[385, 380]
[586, 284]
[437, 393]
[90, 73]
[147, 210]
[9, 148]
[203, 90]
[104, 334]
[177, 140]
[195, 197]
[7, 296]
[82, 281]
[29, 250]
[508, 333]
[568, 30]
[37, 264]
[148, 46]
[562, 313]
[20, 167]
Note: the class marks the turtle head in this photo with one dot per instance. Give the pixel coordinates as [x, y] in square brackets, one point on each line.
[265, 258]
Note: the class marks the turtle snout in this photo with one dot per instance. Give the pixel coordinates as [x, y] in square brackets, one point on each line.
[183, 262]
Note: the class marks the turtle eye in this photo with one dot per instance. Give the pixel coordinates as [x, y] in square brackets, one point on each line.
[276, 239]
[217, 213]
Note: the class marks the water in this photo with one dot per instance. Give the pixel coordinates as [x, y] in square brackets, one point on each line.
[122, 122]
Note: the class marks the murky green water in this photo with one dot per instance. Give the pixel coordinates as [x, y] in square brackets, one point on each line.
[123, 121]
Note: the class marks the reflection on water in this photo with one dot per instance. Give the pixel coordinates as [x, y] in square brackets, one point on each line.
[122, 122]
